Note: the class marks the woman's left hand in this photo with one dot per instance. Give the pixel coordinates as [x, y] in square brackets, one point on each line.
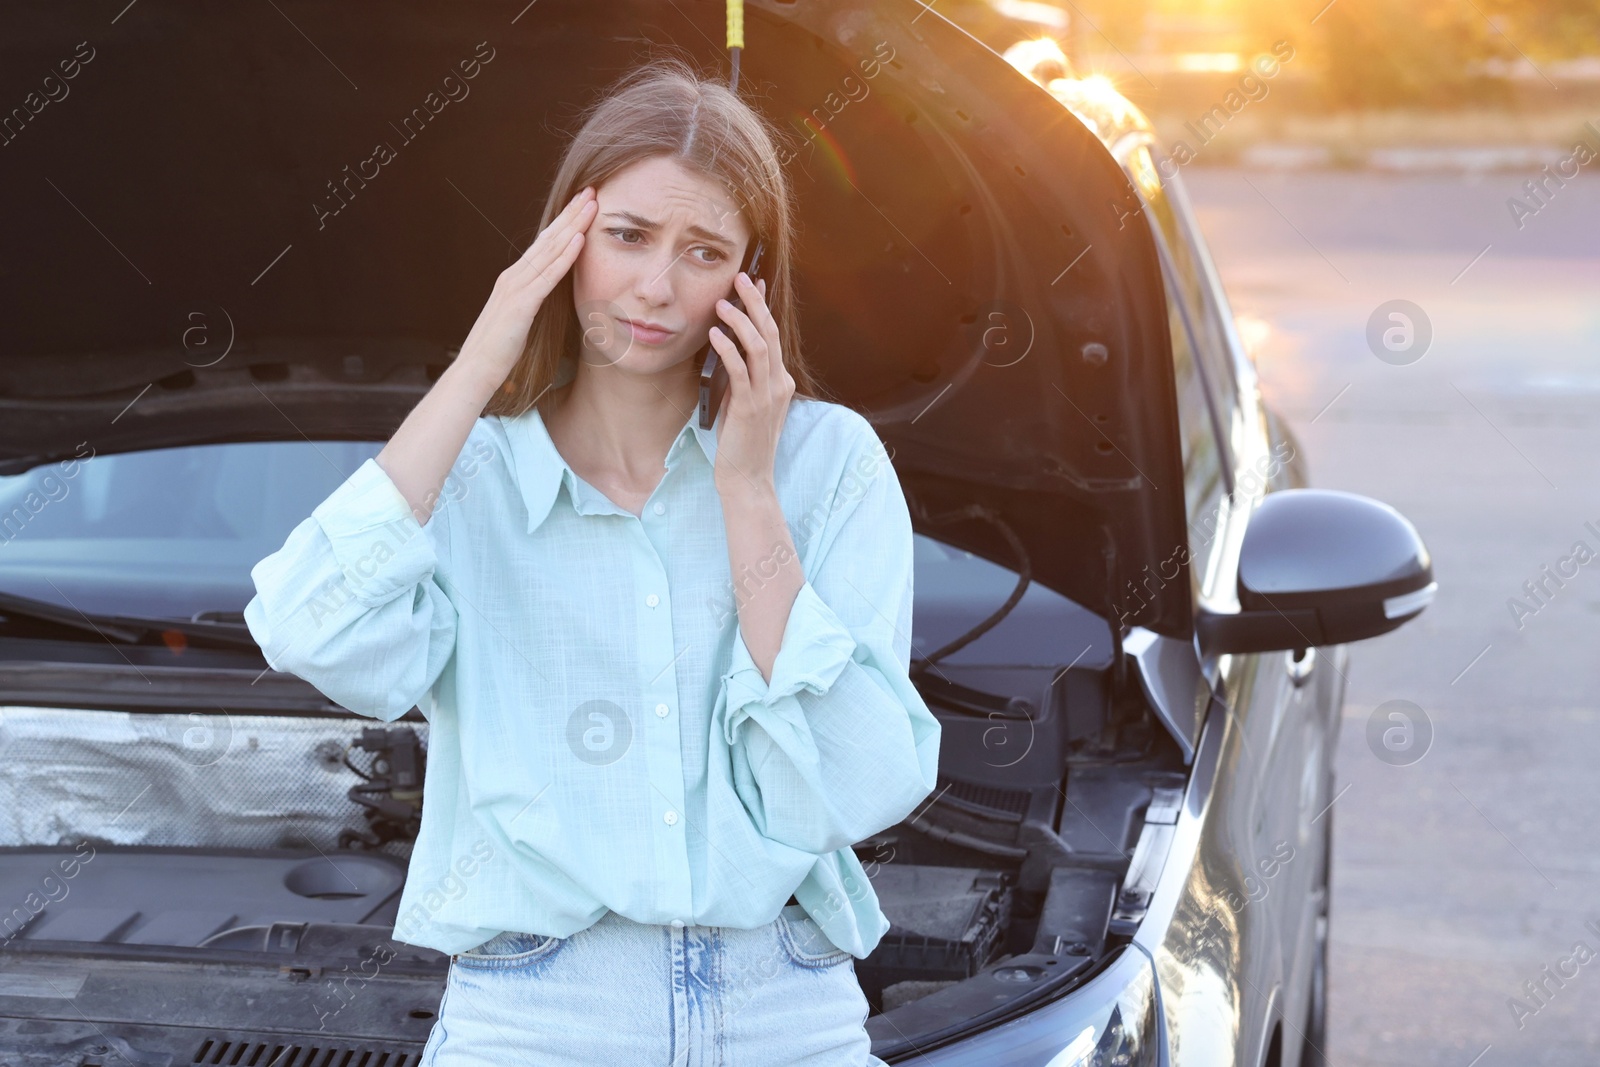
[759, 391]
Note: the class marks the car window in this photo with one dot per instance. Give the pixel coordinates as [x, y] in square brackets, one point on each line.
[1204, 467]
[1219, 312]
[1190, 257]
[165, 532]
[1208, 407]
[1176, 234]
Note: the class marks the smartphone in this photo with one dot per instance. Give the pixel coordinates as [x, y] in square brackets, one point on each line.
[713, 375]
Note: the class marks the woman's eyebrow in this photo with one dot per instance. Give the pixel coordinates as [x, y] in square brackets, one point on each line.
[694, 230]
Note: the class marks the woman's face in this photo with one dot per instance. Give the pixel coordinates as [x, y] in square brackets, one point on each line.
[664, 246]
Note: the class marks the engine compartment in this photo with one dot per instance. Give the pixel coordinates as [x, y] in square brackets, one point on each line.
[1026, 866]
[1007, 884]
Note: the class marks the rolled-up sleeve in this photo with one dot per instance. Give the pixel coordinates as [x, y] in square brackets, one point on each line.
[352, 602]
[838, 744]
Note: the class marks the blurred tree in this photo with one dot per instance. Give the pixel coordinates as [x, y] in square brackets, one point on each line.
[1371, 53]
[1361, 53]
[1423, 52]
[1548, 29]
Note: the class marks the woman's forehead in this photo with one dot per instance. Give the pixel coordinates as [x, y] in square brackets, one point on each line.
[663, 190]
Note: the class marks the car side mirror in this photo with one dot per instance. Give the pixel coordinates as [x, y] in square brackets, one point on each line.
[1321, 567]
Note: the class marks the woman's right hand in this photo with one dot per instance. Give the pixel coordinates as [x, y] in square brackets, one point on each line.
[498, 338]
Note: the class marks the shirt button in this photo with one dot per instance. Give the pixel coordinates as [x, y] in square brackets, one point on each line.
[661, 711]
[660, 508]
[652, 600]
[670, 818]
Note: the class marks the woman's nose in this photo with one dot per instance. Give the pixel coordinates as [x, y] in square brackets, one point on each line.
[655, 283]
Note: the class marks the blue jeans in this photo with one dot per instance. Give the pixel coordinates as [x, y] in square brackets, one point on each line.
[627, 994]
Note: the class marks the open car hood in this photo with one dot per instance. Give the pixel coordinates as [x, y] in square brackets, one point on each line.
[974, 273]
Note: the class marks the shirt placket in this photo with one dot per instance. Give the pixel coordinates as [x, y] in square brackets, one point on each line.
[658, 688]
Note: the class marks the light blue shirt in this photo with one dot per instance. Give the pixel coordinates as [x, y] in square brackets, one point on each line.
[599, 736]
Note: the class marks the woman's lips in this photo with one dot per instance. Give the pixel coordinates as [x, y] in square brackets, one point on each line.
[645, 335]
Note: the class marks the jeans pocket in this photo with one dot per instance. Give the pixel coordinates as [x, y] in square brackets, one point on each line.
[805, 943]
[510, 949]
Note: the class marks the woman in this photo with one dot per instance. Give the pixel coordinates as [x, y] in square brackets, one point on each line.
[634, 758]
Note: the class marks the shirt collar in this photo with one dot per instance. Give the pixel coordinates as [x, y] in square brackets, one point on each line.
[540, 470]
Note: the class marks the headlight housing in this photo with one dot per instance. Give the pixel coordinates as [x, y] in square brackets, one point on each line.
[1112, 1020]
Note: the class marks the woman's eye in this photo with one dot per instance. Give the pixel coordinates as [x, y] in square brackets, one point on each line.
[626, 236]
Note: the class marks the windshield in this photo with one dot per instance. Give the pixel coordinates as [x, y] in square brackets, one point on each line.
[167, 532]
[173, 532]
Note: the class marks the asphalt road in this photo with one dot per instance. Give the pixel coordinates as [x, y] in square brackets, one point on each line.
[1466, 865]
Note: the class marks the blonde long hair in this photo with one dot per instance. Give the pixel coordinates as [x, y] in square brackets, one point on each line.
[665, 108]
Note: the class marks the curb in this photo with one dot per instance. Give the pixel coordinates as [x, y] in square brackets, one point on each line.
[1452, 159]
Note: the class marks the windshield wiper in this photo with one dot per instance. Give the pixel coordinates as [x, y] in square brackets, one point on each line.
[123, 629]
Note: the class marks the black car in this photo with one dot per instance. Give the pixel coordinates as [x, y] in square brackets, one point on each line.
[1131, 611]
